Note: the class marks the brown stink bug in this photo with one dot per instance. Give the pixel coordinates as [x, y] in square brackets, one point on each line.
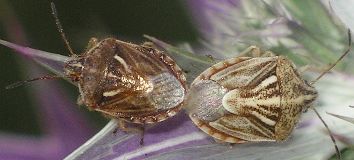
[137, 83]
[246, 99]
[134, 83]
[129, 82]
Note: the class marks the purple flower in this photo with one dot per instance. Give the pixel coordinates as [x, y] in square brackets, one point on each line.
[64, 128]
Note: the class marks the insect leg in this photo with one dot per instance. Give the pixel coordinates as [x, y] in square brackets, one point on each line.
[142, 135]
[267, 54]
[149, 45]
[92, 43]
[122, 124]
[252, 51]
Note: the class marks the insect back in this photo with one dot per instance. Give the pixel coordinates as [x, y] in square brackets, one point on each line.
[136, 83]
[249, 99]
[253, 99]
[122, 80]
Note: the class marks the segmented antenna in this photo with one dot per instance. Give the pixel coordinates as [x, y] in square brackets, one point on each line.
[339, 156]
[338, 60]
[60, 28]
[319, 77]
[17, 84]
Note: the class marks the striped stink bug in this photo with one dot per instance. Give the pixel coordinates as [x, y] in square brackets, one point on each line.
[252, 99]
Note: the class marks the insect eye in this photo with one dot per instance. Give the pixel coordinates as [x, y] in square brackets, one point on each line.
[88, 78]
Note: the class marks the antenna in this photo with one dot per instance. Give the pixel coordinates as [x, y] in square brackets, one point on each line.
[60, 28]
[338, 60]
[20, 83]
[330, 134]
[319, 77]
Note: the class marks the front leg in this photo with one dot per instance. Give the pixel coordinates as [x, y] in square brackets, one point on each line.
[92, 43]
[267, 54]
[252, 51]
[149, 45]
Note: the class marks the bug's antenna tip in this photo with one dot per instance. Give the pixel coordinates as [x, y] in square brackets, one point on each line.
[60, 28]
[14, 85]
[339, 156]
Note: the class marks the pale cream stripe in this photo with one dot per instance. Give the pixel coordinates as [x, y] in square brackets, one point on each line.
[263, 118]
[111, 93]
[268, 81]
[122, 61]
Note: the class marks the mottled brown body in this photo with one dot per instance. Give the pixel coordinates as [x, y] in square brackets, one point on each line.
[249, 99]
[137, 83]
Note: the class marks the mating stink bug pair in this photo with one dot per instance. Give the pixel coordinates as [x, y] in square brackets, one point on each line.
[236, 100]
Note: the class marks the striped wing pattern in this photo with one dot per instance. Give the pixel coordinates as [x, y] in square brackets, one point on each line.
[253, 100]
[260, 103]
